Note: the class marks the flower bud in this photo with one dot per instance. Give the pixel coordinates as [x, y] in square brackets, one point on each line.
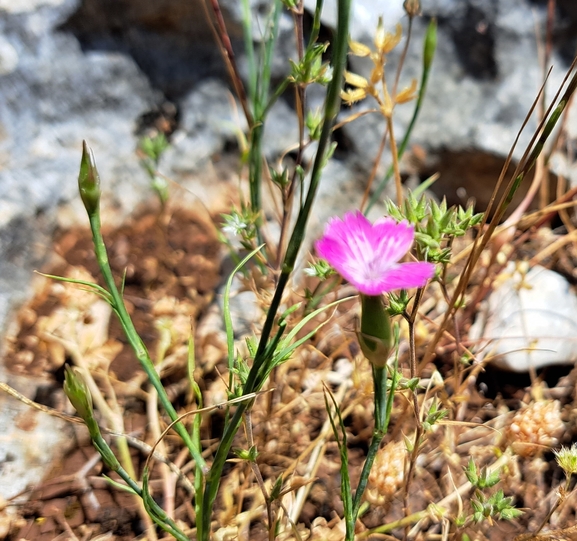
[89, 181]
[77, 392]
[375, 338]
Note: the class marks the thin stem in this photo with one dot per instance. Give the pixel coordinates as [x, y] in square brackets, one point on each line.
[383, 406]
[258, 476]
[380, 383]
[133, 337]
[403, 56]
[411, 319]
[412, 462]
[428, 55]
[373, 174]
[300, 101]
[401, 523]
[395, 157]
[227, 51]
[331, 109]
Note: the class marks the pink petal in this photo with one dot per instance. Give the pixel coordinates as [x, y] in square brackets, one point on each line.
[406, 276]
[367, 255]
[392, 240]
[345, 240]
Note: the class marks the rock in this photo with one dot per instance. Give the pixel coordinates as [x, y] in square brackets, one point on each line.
[484, 79]
[52, 95]
[32, 441]
[529, 321]
[209, 120]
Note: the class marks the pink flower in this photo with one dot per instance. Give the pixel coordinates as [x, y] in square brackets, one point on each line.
[367, 254]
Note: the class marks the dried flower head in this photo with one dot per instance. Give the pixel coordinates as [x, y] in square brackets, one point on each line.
[361, 87]
[368, 255]
[388, 472]
[412, 7]
[385, 42]
[536, 427]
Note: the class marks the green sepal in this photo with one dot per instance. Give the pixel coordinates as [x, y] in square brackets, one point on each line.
[78, 393]
[375, 338]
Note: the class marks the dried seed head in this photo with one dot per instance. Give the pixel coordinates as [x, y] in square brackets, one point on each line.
[535, 427]
[388, 472]
[412, 7]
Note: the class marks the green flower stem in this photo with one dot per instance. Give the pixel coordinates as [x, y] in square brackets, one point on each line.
[109, 458]
[332, 105]
[383, 406]
[154, 511]
[379, 431]
[376, 341]
[331, 110]
[255, 171]
[134, 339]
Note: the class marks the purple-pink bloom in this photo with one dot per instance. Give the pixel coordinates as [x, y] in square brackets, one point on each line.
[368, 255]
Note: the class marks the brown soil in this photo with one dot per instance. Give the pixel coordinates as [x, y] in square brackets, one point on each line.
[170, 264]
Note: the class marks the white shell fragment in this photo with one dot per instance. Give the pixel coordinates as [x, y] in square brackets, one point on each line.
[530, 321]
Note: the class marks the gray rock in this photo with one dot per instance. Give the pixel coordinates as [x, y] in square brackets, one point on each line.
[32, 441]
[529, 321]
[484, 79]
[209, 119]
[52, 97]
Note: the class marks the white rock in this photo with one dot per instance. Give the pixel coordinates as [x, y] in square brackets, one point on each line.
[530, 321]
[22, 6]
[8, 57]
[31, 442]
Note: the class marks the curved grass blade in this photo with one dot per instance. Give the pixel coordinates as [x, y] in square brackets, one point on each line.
[226, 307]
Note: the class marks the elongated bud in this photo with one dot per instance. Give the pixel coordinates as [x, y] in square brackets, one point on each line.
[376, 337]
[79, 395]
[89, 181]
[430, 44]
[77, 392]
